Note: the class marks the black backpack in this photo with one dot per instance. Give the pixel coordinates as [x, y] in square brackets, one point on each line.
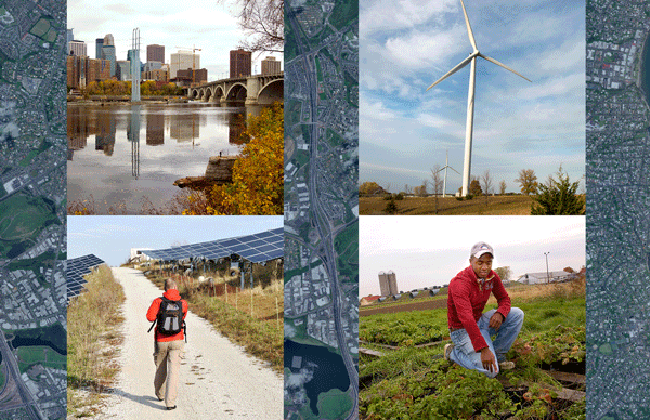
[170, 317]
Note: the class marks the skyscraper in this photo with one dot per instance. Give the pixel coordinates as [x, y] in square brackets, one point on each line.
[99, 43]
[156, 52]
[108, 54]
[240, 63]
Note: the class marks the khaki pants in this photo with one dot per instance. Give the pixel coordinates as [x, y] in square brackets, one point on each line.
[167, 357]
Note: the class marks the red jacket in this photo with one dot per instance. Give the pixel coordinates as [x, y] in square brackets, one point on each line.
[152, 313]
[466, 298]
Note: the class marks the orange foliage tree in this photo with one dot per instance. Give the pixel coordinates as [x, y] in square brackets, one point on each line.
[258, 174]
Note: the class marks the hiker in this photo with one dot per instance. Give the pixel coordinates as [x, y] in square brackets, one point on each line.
[470, 329]
[168, 312]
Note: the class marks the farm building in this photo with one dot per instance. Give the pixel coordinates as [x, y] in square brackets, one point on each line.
[369, 300]
[541, 278]
[137, 254]
[422, 293]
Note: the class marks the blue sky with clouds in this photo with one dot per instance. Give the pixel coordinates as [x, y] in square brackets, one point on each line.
[405, 46]
[111, 238]
[206, 24]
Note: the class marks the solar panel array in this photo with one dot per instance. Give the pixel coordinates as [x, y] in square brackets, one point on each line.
[257, 248]
[76, 268]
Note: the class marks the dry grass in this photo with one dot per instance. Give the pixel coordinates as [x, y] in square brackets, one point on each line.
[252, 318]
[508, 204]
[570, 290]
[94, 318]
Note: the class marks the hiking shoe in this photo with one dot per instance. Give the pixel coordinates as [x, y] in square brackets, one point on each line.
[506, 366]
[171, 408]
[447, 350]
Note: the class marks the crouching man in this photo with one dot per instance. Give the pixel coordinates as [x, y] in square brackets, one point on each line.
[471, 329]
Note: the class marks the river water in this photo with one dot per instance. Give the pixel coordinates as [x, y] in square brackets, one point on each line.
[126, 157]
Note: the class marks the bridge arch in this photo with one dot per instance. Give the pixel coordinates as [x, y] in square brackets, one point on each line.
[237, 93]
[271, 92]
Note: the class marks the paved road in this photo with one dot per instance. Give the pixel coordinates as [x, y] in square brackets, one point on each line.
[218, 380]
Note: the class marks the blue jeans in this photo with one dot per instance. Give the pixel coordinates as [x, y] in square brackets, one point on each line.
[463, 352]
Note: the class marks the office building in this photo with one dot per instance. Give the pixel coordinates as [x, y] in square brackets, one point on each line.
[156, 52]
[183, 60]
[78, 48]
[270, 66]
[240, 63]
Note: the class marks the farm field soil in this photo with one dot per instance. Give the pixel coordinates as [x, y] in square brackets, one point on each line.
[509, 204]
[425, 305]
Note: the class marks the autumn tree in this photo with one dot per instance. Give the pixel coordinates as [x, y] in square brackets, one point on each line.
[257, 179]
[475, 187]
[559, 196]
[370, 188]
[502, 187]
[528, 181]
[503, 272]
[421, 190]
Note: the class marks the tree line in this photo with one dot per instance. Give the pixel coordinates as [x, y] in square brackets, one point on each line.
[558, 195]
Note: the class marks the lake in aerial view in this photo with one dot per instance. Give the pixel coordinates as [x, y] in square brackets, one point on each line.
[124, 159]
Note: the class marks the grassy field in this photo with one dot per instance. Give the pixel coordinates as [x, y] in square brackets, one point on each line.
[416, 382]
[93, 340]
[508, 204]
[252, 318]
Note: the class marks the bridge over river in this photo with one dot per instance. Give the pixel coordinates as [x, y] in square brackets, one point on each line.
[249, 90]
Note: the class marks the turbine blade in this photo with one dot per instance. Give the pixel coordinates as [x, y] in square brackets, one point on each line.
[452, 71]
[454, 170]
[492, 60]
[469, 28]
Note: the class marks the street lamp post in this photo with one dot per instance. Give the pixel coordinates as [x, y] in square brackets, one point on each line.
[548, 278]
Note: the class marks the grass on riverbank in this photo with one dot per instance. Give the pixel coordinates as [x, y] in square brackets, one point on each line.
[94, 318]
[252, 318]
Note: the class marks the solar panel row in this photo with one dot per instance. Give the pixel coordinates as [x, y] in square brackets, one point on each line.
[74, 270]
[257, 248]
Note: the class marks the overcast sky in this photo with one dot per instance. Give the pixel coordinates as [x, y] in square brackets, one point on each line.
[111, 238]
[405, 46]
[431, 250]
[206, 24]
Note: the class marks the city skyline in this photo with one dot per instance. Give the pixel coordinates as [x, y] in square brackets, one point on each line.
[405, 131]
[441, 247]
[197, 28]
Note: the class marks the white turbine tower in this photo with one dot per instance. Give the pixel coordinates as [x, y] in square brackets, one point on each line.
[470, 96]
[444, 179]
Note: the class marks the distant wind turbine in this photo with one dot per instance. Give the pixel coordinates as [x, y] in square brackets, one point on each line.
[444, 179]
[470, 96]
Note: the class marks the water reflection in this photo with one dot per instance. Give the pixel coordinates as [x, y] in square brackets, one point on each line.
[179, 139]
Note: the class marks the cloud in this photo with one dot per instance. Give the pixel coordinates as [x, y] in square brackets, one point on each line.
[386, 15]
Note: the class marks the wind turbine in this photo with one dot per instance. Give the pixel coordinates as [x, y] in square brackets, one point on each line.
[444, 179]
[471, 59]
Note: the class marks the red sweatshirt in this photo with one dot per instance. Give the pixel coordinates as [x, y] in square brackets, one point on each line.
[466, 298]
[152, 313]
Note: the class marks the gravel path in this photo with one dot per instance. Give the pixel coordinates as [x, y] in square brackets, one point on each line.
[218, 380]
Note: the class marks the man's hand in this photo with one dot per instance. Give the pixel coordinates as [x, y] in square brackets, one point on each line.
[488, 360]
[496, 320]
